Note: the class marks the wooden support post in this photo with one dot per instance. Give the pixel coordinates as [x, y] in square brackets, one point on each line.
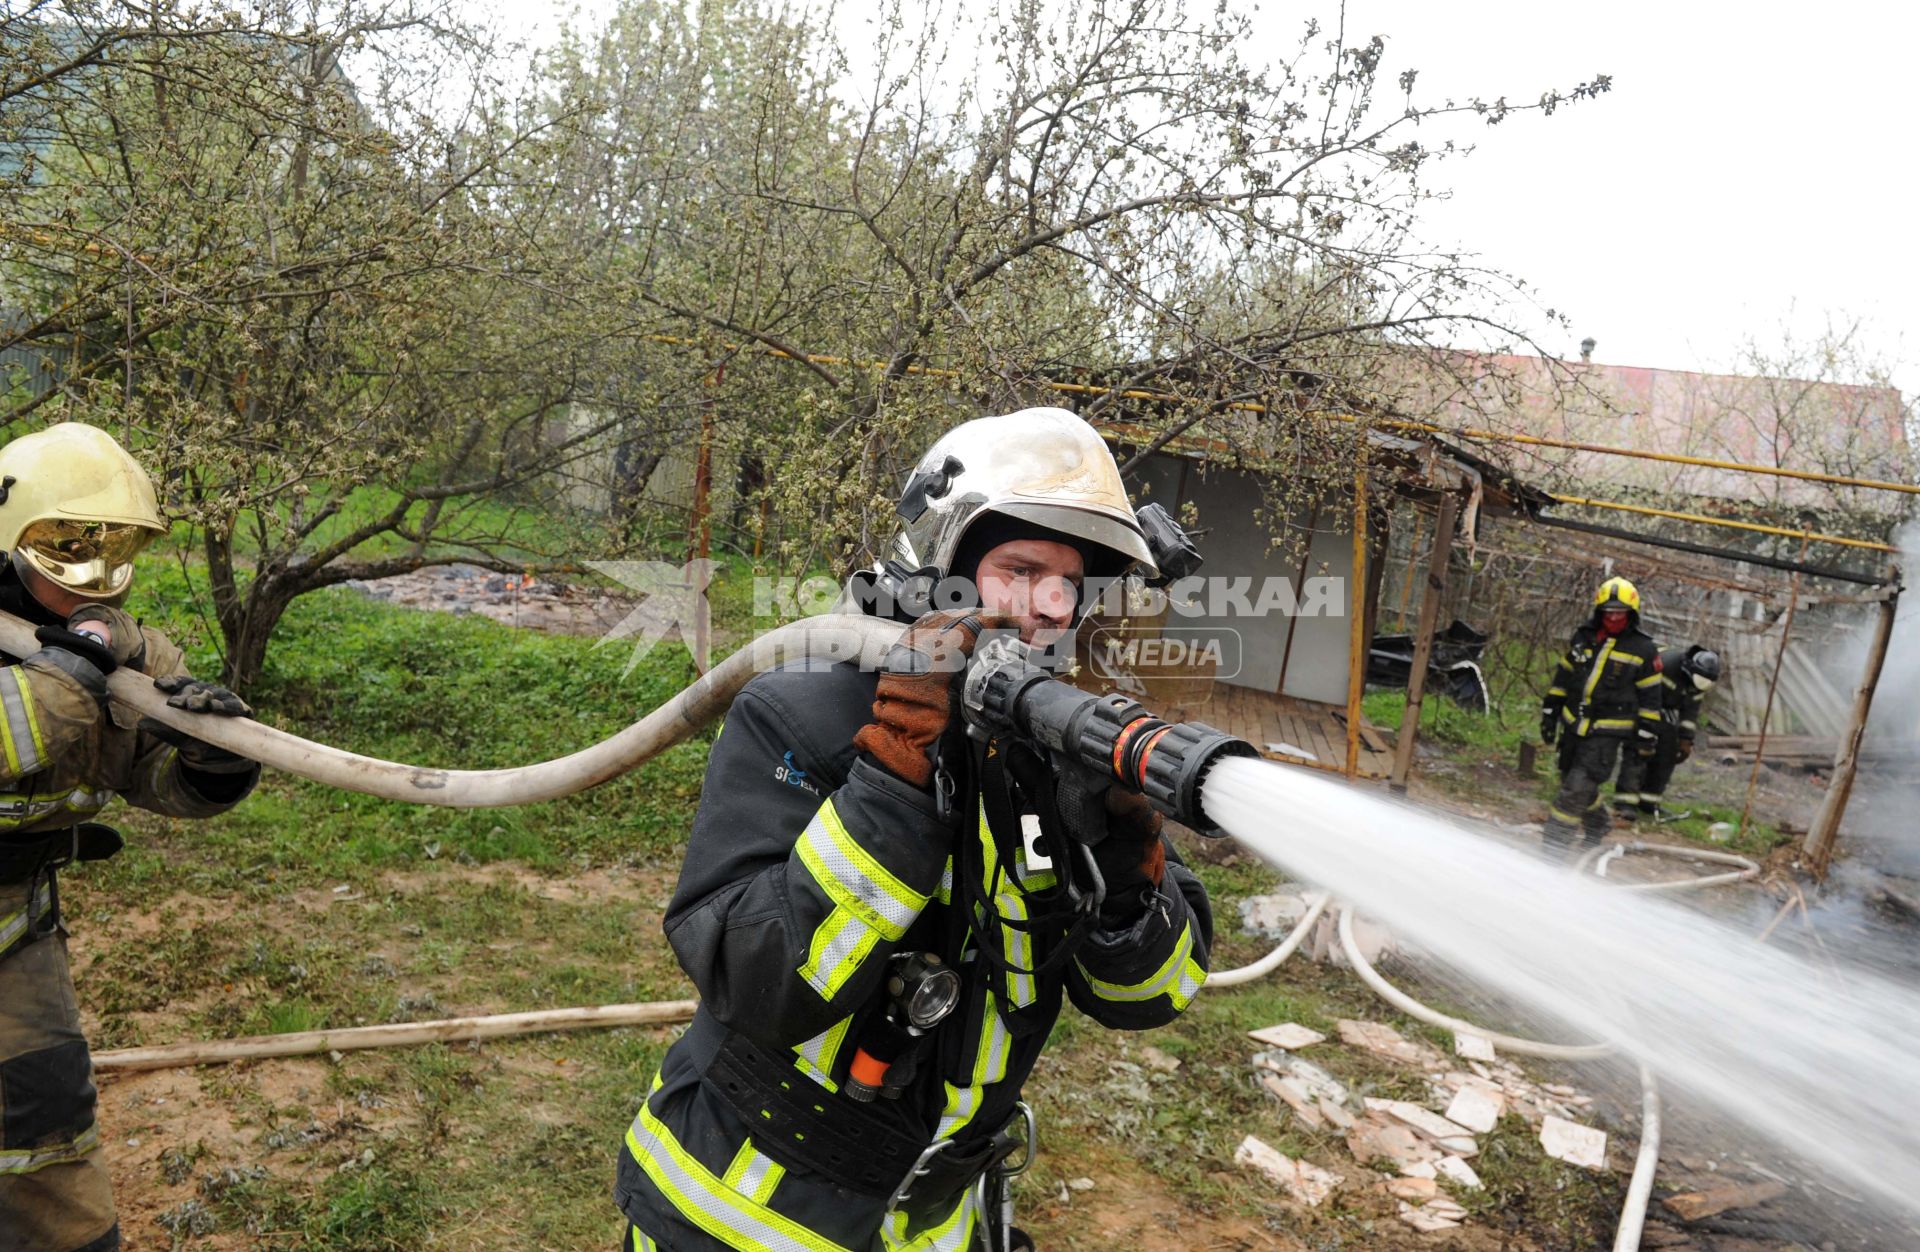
[1423, 638]
[1773, 685]
[1357, 613]
[1826, 823]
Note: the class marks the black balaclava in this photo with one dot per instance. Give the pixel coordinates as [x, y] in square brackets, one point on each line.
[17, 600]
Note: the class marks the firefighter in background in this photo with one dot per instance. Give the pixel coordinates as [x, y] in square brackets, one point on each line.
[880, 956]
[1605, 694]
[74, 510]
[1686, 676]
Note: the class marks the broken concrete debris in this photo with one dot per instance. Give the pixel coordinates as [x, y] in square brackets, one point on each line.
[1289, 1035]
[1473, 1047]
[1427, 1149]
[1378, 1136]
[1384, 1041]
[1435, 1127]
[1477, 1106]
[1694, 1205]
[1457, 1170]
[1573, 1143]
[1304, 1182]
[1154, 1058]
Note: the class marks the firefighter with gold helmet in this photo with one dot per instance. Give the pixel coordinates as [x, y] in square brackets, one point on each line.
[1605, 697]
[75, 509]
[880, 946]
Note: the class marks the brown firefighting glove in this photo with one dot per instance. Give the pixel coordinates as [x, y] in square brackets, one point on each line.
[913, 705]
[1683, 750]
[1133, 851]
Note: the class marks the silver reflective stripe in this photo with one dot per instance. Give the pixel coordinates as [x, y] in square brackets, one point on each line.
[15, 696]
[950, 1235]
[51, 1154]
[833, 856]
[759, 1179]
[14, 925]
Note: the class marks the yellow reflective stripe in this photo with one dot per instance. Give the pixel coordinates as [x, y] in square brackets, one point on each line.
[853, 879]
[1630, 659]
[815, 1057]
[1557, 691]
[949, 1236]
[945, 890]
[20, 725]
[641, 1243]
[1651, 680]
[1614, 723]
[26, 1162]
[754, 1175]
[1179, 977]
[1599, 667]
[839, 946]
[989, 1067]
[708, 1202]
[1652, 715]
[1561, 816]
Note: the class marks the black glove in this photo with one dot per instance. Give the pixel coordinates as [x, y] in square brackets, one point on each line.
[1549, 726]
[1121, 829]
[197, 754]
[189, 693]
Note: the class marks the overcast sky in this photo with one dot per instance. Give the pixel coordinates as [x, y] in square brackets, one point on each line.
[1750, 168]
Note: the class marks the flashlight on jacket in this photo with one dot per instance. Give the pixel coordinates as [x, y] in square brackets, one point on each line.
[921, 990]
[1005, 693]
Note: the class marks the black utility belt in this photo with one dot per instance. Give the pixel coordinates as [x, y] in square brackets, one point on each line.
[27, 856]
[865, 1148]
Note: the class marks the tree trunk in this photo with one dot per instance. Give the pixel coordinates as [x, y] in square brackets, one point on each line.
[249, 629]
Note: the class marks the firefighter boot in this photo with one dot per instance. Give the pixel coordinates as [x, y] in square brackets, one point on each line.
[1558, 832]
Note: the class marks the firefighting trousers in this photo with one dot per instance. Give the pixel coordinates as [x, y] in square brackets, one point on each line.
[1586, 763]
[55, 1193]
[1643, 779]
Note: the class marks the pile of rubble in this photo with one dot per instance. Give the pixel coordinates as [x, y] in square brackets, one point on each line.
[510, 599]
[1423, 1144]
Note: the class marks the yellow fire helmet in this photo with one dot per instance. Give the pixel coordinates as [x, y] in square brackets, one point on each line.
[1617, 593]
[76, 508]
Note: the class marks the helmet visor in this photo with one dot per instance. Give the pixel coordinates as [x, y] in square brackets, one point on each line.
[92, 558]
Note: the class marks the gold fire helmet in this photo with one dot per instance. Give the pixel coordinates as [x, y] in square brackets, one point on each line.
[1043, 466]
[76, 508]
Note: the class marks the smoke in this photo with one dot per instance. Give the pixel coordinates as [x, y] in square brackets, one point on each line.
[1879, 827]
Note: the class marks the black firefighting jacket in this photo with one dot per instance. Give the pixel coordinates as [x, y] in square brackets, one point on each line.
[808, 868]
[1607, 687]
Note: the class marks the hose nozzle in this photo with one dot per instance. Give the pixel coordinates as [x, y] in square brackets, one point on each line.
[1007, 694]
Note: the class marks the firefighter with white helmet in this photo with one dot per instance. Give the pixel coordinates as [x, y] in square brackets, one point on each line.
[1605, 694]
[880, 956]
[75, 509]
